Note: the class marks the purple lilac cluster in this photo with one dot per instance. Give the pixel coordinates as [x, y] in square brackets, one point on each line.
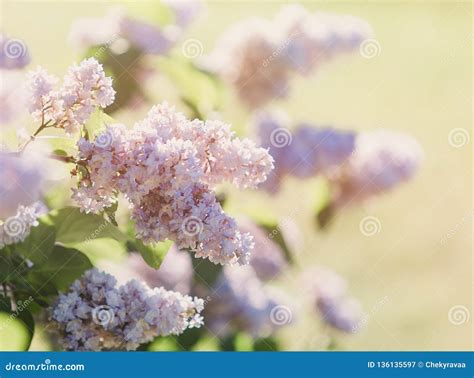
[249, 307]
[167, 167]
[97, 315]
[302, 152]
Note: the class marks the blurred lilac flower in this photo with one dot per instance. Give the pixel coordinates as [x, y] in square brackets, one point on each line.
[382, 159]
[248, 307]
[185, 11]
[314, 38]
[12, 96]
[23, 177]
[257, 56]
[328, 292]
[303, 152]
[116, 26]
[267, 259]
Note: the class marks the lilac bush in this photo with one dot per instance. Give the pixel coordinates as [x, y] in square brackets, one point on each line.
[153, 194]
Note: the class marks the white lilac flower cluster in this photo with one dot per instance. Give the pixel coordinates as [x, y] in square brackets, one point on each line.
[85, 88]
[381, 160]
[329, 295]
[245, 307]
[303, 152]
[167, 166]
[97, 315]
[258, 56]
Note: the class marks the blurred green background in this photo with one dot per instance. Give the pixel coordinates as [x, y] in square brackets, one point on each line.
[419, 266]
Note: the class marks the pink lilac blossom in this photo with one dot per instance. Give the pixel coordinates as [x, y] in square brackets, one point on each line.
[167, 167]
[329, 295]
[303, 152]
[13, 53]
[245, 307]
[267, 259]
[258, 57]
[16, 228]
[84, 89]
[97, 315]
[382, 159]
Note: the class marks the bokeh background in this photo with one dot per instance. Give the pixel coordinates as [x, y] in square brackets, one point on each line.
[419, 266]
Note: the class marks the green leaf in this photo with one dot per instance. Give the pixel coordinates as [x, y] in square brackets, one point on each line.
[101, 249]
[60, 152]
[39, 244]
[74, 227]
[14, 333]
[275, 234]
[324, 208]
[97, 122]
[199, 90]
[266, 344]
[206, 272]
[63, 267]
[5, 304]
[153, 254]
